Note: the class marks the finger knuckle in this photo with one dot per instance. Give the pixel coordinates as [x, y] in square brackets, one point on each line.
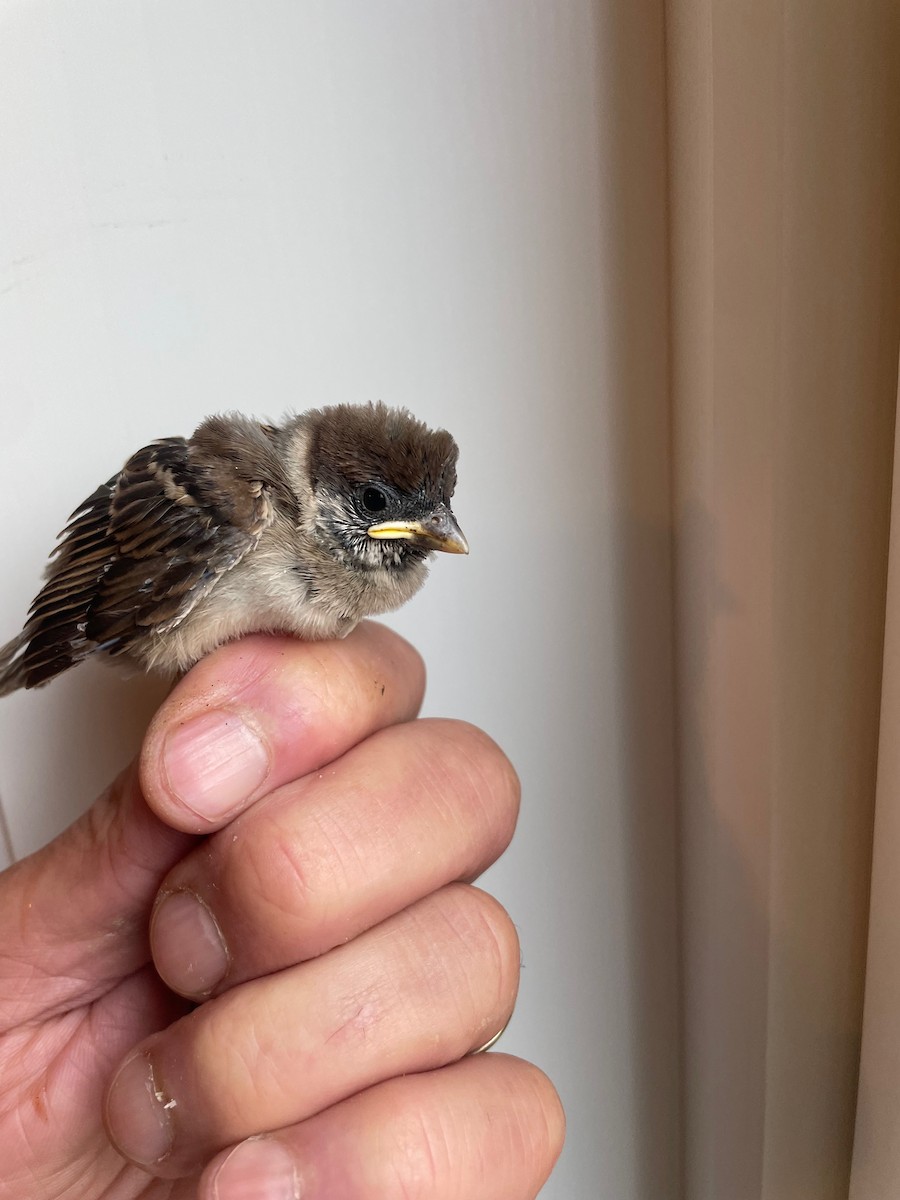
[419, 1162]
[476, 765]
[489, 938]
[278, 876]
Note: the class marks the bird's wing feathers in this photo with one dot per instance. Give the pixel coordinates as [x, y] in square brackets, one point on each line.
[139, 554]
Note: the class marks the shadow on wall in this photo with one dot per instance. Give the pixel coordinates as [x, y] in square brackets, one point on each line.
[90, 723]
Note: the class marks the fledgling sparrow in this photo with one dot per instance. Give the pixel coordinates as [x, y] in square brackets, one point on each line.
[303, 528]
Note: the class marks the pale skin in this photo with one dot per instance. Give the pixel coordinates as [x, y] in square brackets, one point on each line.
[257, 967]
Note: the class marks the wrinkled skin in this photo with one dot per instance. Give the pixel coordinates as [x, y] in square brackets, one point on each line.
[276, 933]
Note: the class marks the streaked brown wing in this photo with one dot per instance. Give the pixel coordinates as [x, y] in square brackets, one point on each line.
[139, 554]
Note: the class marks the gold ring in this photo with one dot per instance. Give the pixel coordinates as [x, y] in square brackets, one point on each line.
[491, 1042]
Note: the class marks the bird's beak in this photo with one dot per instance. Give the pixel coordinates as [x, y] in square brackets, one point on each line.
[437, 532]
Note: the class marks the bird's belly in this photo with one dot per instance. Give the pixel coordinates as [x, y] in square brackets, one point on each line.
[275, 601]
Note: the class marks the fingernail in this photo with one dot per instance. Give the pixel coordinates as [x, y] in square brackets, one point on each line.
[257, 1170]
[188, 948]
[136, 1113]
[214, 763]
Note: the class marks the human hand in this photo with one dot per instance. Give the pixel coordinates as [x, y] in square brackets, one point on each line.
[311, 900]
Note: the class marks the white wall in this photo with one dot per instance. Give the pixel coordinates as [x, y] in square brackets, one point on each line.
[454, 205]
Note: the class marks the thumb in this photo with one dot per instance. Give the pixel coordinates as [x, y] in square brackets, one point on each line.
[73, 916]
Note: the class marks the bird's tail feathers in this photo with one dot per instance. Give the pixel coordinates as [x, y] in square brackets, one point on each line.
[11, 674]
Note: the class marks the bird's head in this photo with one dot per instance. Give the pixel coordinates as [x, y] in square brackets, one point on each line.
[381, 485]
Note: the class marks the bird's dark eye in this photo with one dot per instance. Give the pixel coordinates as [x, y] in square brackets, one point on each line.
[374, 500]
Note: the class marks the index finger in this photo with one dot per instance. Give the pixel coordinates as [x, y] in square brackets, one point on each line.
[266, 710]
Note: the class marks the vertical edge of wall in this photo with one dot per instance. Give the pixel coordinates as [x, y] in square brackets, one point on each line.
[632, 86]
